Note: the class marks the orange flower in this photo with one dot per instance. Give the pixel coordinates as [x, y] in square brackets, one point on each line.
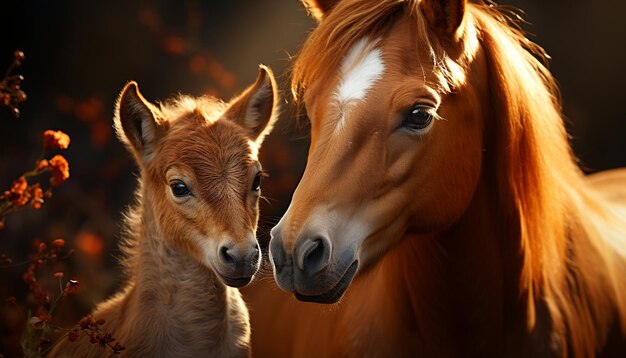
[37, 198]
[18, 193]
[55, 140]
[19, 186]
[60, 170]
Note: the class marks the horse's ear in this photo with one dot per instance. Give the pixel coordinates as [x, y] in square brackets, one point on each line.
[136, 123]
[444, 16]
[319, 8]
[256, 109]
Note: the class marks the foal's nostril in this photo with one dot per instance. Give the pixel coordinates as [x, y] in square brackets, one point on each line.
[254, 257]
[226, 256]
[313, 255]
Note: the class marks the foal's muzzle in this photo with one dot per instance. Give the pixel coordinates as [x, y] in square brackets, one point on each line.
[237, 263]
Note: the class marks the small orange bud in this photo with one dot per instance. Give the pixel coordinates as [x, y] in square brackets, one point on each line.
[72, 286]
[19, 55]
[37, 197]
[42, 164]
[20, 96]
[55, 140]
[59, 243]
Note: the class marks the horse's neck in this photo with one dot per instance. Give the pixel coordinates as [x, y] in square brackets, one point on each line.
[464, 285]
[175, 300]
[459, 283]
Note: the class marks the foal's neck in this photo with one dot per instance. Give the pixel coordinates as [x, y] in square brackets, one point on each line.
[169, 273]
[182, 301]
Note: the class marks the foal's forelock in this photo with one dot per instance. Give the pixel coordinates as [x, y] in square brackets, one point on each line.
[218, 157]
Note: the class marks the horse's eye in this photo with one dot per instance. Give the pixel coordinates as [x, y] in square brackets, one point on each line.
[417, 118]
[256, 183]
[179, 189]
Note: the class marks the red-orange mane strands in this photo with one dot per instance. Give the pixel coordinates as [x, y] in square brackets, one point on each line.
[559, 223]
[532, 143]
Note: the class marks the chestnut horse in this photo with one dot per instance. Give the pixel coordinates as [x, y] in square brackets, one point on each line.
[441, 204]
[191, 237]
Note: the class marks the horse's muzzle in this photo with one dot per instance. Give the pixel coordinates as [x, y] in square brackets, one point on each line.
[312, 271]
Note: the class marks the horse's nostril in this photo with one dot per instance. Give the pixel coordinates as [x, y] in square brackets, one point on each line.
[226, 257]
[314, 255]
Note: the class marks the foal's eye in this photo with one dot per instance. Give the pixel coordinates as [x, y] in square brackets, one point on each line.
[256, 183]
[418, 118]
[179, 189]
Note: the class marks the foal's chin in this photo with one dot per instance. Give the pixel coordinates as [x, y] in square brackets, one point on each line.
[235, 282]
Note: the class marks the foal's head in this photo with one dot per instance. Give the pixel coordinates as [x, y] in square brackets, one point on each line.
[393, 90]
[200, 172]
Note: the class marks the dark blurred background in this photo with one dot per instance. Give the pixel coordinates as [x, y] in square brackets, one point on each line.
[79, 54]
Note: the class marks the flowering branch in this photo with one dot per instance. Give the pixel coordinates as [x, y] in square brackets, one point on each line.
[22, 194]
[36, 340]
[11, 94]
[26, 192]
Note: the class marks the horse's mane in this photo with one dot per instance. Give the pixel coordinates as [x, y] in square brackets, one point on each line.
[564, 231]
[560, 229]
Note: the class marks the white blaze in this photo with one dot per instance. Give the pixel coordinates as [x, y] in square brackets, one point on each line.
[359, 71]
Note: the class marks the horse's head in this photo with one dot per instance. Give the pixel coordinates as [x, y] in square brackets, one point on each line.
[393, 92]
[200, 173]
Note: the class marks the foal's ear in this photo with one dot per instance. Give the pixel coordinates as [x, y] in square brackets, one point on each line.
[136, 123]
[319, 8]
[256, 109]
[445, 16]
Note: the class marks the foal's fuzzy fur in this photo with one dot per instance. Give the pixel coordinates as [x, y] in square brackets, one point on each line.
[182, 251]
